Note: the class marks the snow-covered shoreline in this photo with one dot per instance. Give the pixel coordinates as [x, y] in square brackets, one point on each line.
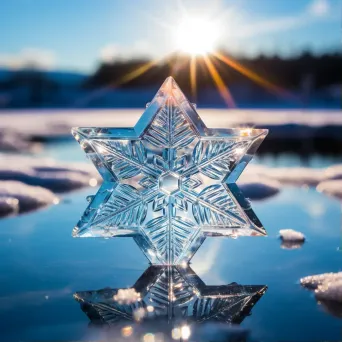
[288, 124]
[19, 128]
[257, 182]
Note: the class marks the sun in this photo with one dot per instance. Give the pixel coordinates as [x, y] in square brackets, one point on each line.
[196, 36]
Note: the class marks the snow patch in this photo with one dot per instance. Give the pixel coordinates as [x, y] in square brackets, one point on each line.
[285, 123]
[8, 206]
[334, 172]
[50, 174]
[312, 282]
[296, 175]
[257, 188]
[331, 187]
[11, 141]
[23, 197]
[328, 290]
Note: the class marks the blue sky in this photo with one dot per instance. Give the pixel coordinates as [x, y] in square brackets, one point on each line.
[77, 34]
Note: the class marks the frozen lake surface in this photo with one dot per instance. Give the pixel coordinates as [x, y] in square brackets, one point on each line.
[42, 266]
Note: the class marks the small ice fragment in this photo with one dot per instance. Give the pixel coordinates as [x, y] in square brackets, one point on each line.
[290, 235]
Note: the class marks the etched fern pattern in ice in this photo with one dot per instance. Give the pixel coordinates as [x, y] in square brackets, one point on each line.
[170, 181]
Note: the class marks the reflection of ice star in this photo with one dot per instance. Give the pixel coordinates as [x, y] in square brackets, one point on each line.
[170, 181]
[173, 293]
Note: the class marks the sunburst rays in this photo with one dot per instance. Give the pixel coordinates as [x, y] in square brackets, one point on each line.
[221, 86]
[254, 76]
[178, 64]
[193, 77]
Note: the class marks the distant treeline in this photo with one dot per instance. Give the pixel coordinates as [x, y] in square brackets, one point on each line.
[314, 79]
[306, 70]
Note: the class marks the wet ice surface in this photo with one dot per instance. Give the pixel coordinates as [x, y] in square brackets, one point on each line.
[42, 266]
[257, 182]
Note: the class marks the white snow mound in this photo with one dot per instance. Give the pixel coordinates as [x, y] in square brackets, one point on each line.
[314, 281]
[331, 187]
[334, 172]
[330, 290]
[8, 206]
[290, 235]
[50, 174]
[258, 188]
[23, 197]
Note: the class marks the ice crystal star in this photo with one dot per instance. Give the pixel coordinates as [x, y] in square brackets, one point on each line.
[170, 181]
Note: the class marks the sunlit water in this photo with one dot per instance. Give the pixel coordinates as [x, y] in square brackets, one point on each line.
[41, 266]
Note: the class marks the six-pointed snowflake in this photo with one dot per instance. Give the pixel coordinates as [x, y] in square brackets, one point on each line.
[170, 181]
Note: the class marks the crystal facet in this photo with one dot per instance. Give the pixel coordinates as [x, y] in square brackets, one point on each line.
[173, 294]
[169, 182]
